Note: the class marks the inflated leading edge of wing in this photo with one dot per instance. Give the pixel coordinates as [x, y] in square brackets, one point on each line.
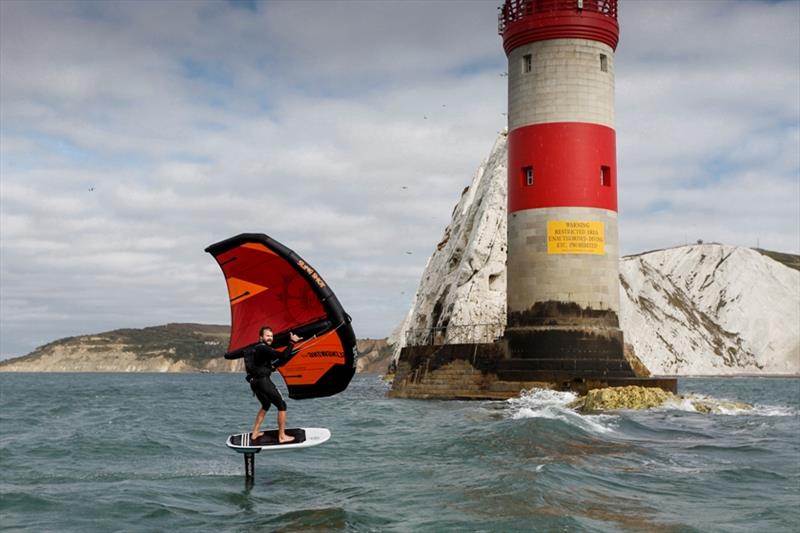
[270, 285]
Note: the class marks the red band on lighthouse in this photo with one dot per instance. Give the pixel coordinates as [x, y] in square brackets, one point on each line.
[562, 164]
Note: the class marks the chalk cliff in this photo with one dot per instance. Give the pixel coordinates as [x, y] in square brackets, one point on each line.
[703, 309]
[711, 309]
[167, 348]
[462, 293]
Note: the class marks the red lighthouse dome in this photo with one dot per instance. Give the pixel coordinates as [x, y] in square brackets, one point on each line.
[526, 21]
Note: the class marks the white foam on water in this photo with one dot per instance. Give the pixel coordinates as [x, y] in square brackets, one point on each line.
[542, 397]
[554, 405]
[774, 410]
[678, 404]
[721, 406]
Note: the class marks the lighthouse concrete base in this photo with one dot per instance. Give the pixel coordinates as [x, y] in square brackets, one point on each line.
[484, 372]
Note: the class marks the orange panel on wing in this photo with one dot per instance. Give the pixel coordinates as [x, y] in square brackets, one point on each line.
[316, 356]
[240, 290]
[258, 246]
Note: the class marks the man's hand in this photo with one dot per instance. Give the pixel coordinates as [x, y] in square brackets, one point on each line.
[293, 337]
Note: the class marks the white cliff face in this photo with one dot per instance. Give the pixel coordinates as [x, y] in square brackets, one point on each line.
[711, 309]
[115, 358]
[462, 293]
[694, 310]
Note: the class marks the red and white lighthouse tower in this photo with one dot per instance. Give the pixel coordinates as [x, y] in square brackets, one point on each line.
[563, 271]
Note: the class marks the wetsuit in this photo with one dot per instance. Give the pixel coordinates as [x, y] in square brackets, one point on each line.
[260, 362]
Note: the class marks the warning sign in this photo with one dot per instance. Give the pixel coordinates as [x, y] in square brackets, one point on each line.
[575, 237]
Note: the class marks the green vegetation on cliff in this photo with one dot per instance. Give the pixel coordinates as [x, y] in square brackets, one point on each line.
[194, 344]
[790, 260]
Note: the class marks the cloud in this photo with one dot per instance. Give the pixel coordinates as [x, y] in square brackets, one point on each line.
[132, 136]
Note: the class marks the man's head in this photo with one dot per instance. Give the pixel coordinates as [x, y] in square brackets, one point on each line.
[265, 335]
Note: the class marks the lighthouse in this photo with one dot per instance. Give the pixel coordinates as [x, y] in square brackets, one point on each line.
[562, 255]
[563, 252]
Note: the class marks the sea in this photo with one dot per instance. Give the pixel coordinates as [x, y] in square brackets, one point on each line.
[146, 452]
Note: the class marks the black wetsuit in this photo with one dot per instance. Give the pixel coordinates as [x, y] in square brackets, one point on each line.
[260, 362]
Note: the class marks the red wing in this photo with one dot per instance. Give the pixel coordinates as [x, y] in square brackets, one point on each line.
[265, 290]
[270, 285]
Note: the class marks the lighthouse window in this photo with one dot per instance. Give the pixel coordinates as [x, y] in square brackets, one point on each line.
[527, 174]
[603, 63]
[605, 176]
[527, 63]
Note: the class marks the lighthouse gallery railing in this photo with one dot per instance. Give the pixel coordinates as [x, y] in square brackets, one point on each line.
[514, 10]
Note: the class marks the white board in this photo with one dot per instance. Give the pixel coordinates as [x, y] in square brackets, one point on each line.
[304, 437]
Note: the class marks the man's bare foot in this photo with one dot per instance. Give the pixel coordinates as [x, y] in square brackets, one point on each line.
[284, 439]
[255, 436]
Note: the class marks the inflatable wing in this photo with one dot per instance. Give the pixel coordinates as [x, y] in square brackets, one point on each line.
[270, 285]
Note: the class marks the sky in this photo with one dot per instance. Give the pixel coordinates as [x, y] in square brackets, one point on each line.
[135, 134]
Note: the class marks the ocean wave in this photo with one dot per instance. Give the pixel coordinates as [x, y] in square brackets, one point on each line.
[554, 405]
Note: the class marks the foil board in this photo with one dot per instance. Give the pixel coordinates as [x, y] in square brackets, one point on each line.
[303, 438]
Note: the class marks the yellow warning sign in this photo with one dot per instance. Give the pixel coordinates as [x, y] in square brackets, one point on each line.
[575, 237]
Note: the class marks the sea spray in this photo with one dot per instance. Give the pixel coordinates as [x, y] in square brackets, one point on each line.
[555, 405]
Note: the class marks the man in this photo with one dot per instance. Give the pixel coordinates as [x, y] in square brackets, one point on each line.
[260, 362]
